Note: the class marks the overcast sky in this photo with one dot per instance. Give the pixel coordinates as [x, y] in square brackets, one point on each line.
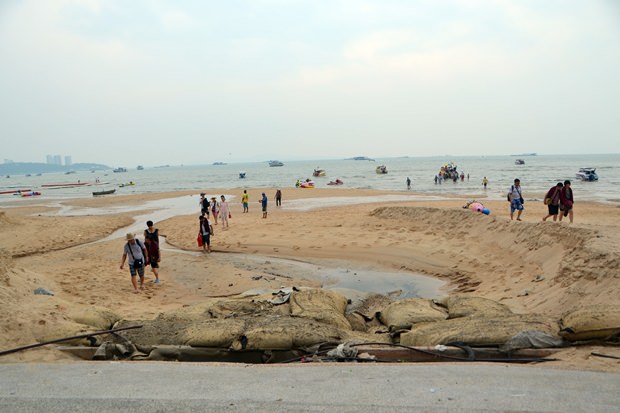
[169, 82]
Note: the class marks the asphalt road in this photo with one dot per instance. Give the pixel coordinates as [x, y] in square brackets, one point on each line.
[338, 387]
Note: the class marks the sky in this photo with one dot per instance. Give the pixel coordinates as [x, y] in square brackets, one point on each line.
[152, 82]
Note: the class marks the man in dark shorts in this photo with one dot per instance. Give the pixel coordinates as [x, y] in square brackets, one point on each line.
[552, 200]
[204, 204]
[206, 231]
[151, 242]
[263, 202]
[137, 259]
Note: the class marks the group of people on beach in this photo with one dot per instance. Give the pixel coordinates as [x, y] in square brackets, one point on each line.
[142, 255]
[559, 198]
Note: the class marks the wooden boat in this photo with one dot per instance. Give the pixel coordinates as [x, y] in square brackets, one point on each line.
[108, 192]
[65, 185]
[14, 191]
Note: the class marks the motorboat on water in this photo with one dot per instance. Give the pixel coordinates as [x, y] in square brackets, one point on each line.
[119, 169]
[381, 169]
[308, 183]
[140, 168]
[275, 163]
[318, 172]
[361, 158]
[335, 182]
[519, 162]
[242, 174]
[31, 193]
[587, 174]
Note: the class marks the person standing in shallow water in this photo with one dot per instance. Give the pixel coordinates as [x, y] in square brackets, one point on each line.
[485, 182]
[278, 197]
[408, 183]
[151, 242]
[567, 201]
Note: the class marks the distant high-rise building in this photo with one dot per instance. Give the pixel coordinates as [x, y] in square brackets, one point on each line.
[57, 160]
[50, 159]
[68, 160]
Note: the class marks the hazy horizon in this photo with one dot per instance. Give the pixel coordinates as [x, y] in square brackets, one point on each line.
[194, 82]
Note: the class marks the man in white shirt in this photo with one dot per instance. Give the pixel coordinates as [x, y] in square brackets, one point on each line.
[516, 199]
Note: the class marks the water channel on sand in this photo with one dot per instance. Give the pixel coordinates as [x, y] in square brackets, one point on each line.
[353, 279]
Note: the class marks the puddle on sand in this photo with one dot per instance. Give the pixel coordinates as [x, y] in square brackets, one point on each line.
[346, 277]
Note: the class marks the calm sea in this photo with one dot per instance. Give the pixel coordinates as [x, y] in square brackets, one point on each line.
[537, 175]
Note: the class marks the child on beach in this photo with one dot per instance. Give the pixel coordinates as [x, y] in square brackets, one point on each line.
[206, 231]
[244, 201]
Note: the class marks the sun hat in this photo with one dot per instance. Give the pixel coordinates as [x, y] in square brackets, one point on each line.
[130, 236]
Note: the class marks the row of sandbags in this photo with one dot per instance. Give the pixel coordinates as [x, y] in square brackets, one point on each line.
[313, 316]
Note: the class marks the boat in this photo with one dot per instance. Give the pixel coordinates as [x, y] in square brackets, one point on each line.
[27, 175]
[336, 182]
[119, 170]
[525, 154]
[69, 185]
[587, 174]
[275, 163]
[381, 169]
[130, 183]
[219, 163]
[31, 193]
[242, 174]
[108, 192]
[140, 168]
[519, 162]
[69, 172]
[308, 183]
[318, 172]
[361, 158]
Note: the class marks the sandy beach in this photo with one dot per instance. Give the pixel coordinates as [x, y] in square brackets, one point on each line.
[530, 266]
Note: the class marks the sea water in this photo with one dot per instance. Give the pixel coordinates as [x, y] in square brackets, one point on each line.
[537, 175]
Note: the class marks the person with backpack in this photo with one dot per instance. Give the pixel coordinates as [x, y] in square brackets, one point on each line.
[516, 200]
[204, 204]
[137, 253]
[552, 200]
[151, 242]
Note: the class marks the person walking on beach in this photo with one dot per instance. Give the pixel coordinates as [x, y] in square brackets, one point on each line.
[485, 182]
[408, 183]
[552, 200]
[137, 259]
[244, 201]
[224, 212]
[516, 199]
[567, 201]
[278, 197]
[215, 209]
[263, 202]
[204, 204]
[206, 231]
[151, 242]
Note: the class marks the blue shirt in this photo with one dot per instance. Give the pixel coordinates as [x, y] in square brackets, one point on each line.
[264, 201]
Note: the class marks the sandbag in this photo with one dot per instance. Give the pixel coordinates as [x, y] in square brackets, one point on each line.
[321, 305]
[62, 329]
[99, 317]
[406, 313]
[463, 306]
[591, 322]
[213, 333]
[476, 331]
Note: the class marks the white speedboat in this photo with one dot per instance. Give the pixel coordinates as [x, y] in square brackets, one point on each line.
[275, 163]
[519, 162]
[587, 174]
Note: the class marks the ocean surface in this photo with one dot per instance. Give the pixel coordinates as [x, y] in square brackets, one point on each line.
[537, 175]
